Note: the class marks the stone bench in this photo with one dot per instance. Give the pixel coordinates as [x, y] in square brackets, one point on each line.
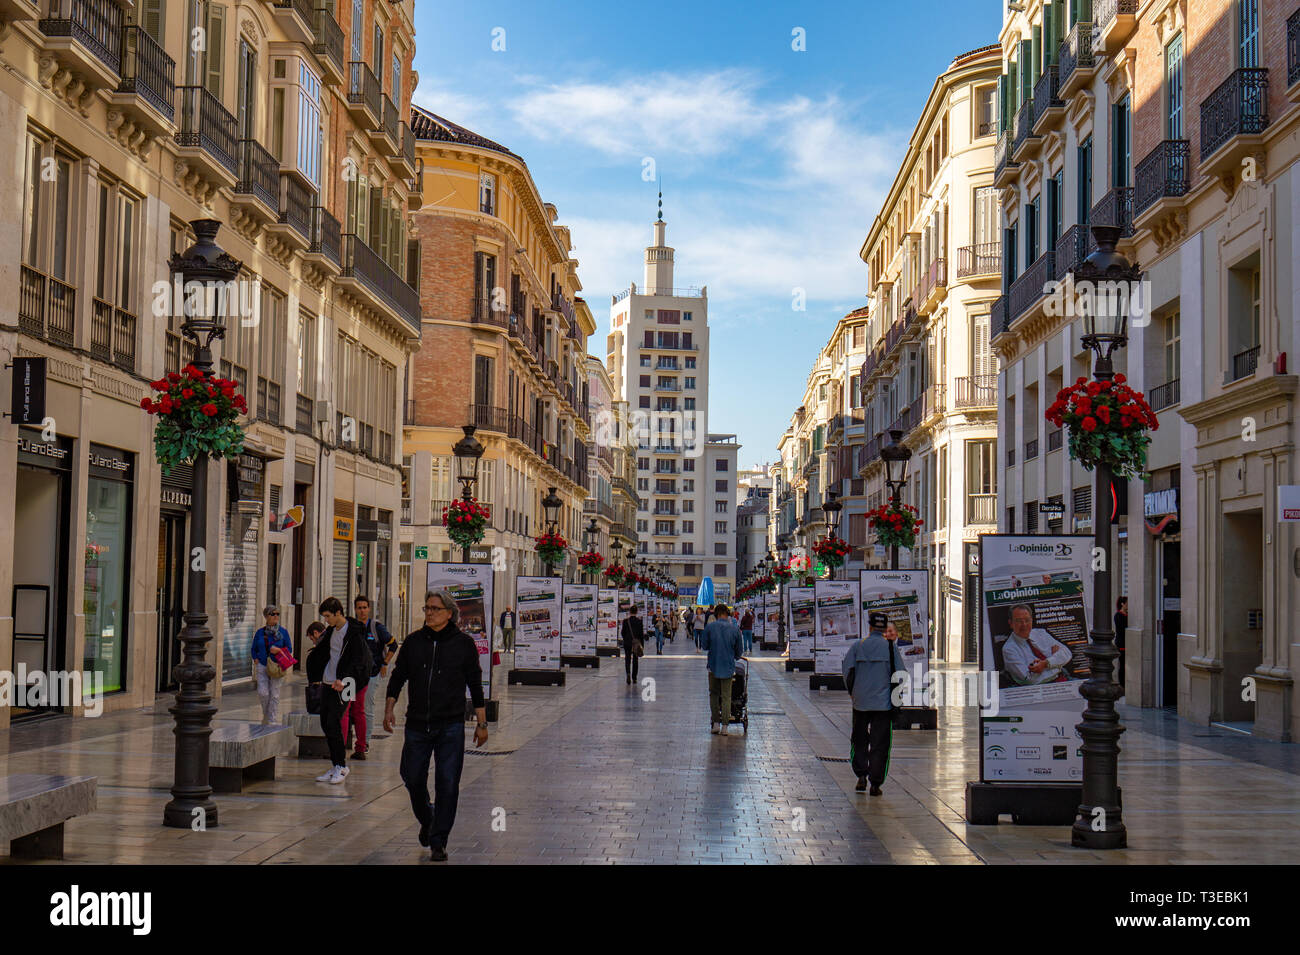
[311, 737]
[34, 807]
[239, 751]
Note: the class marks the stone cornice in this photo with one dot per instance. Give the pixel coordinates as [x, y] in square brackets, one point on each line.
[1239, 399]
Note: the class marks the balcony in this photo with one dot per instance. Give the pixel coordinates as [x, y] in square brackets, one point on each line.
[1244, 363]
[13, 10]
[489, 418]
[326, 240]
[1048, 105]
[303, 414]
[1115, 20]
[978, 261]
[148, 86]
[46, 307]
[975, 392]
[387, 134]
[406, 154]
[112, 335]
[1115, 209]
[670, 292]
[1072, 248]
[934, 284]
[1075, 60]
[86, 38]
[365, 100]
[258, 188]
[671, 386]
[366, 274]
[1293, 56]
[1055, 440]
[999, 316]
[294, 223]
[1162, 175]
[1027, 141]
[297, 19]
[208, 136]
[1031, 287]
[981, 508]
[666, 347]
[1233, 120]
[1164, 396]
[1031, 449]
[1005, 170]
[327, 44]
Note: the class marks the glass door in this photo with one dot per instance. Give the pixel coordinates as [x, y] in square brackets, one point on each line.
[170, 598]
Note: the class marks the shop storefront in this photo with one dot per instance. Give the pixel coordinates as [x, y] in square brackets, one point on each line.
[107, 565]
[341, 559]
[374, 541]
[174, 500]
[1160, 516]
[40, 556]
[241, 615]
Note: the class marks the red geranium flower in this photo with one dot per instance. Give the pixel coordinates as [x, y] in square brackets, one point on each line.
[209, 409]
[1090, 424]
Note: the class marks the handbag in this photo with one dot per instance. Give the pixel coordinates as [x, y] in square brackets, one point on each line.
[274, 670]
[638, 648]
[315, 693]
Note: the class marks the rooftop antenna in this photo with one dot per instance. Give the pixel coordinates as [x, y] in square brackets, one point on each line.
[661, 201]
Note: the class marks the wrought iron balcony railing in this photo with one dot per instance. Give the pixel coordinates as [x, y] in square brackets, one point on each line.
[984, 258]
[1293, 49]
[1244, 363]
[392, 124]
[1072, 248]
[1239, 107]
[208, 125]
[112, 335]
[1032, 284]
[1115, 209]
[326, 238]
[1164, 396]
[1054, 440]
[95, 24]
[148, 72]
[489, 418]
[1047, 93]
[976, 391]
[329, 38]
[1024, 125]
[46, 307]
[364, 264]
[1075, 52]
[364, 90]
[1104, 11]
[258, 172]
[296, 203]
[1162, 174]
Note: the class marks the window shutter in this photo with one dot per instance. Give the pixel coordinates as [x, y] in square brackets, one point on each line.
[151, 19]
[216, 49]
[356, 30]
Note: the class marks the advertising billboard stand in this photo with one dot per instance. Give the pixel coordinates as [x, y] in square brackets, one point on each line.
[607, 623]
[800, 628]
[905, 596]
[578, 643]
[1035, 603]
[471, 585]
[539, 609]
[770, 607]
[838, 618]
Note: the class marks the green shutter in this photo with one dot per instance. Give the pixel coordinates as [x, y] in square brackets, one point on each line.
[151, 20]
[216, 50]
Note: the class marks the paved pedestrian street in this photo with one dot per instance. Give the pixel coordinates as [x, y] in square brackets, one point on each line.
[601, 772]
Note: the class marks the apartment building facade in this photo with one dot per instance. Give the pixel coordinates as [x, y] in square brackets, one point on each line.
[1175, 122]
[933, 260]
[284, 125]
[658, 359]
[505, 352]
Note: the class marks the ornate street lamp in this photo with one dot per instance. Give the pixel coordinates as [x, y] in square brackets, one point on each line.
[590, 538]
[895, 455]
[831, 508]
[1105, 326]
[468, 450]
[551, 505]
[207, 274]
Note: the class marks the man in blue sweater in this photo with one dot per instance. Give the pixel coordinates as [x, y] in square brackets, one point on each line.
[721, 641]
[868, 674]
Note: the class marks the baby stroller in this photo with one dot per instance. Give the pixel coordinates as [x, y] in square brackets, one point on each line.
[740, 696]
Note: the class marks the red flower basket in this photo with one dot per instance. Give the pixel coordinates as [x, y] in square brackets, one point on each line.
[832, 551]
[198, 414]
[551, 547]
[466, 521]
[1108, 423]
[895, 524]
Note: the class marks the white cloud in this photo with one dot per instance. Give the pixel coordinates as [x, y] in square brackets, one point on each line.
[462, 109]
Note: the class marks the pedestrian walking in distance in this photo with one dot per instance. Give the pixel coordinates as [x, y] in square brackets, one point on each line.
[722, 642]
[747, 629]
[507, 622]
[341, 662]
[633, 633]
[868, 674]
[438, 662]
[382, 646]
[268, 638]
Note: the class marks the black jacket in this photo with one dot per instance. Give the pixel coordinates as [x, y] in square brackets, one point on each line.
[633, 628]
[439, 666]
[354, 661]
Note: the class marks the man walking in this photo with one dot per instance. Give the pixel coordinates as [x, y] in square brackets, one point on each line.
[507, 622]
[341, 663]
[747, 629]
[868, 674]
[382, 645]
[697, 624]
[721, 640]
[439, 662]
[633, 634]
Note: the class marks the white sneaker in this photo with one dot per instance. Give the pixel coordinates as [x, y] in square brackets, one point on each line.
[340, 773]
[715, 728]
[327, 776]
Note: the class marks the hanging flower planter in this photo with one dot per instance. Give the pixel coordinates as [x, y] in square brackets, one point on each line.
[895, 524]
[198, 414]
[1107, 422]
[832, 551]
[590, 561]
[466, 521]
[551, 548]
[614, 574]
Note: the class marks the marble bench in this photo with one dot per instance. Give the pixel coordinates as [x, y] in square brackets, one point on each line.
[311, 737]
[34, 807]
[237, 751]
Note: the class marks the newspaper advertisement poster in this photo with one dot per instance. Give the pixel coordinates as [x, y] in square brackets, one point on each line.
[579, 636]
[772, 617]
[759, 622]
[471, 586]
[904, 595]
[838, 618]
[801, 628]
[607, 618]
[538, 611]
[1036, 592]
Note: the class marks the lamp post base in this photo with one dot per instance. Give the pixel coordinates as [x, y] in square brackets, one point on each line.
[1084, 836]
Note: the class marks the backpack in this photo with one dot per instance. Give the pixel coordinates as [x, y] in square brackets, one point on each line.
[376, 648]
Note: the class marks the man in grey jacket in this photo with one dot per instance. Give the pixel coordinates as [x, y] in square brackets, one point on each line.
[868, 674]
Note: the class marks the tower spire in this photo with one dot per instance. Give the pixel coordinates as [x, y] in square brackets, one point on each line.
[661, 202]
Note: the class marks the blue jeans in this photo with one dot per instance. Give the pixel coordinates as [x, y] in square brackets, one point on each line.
[748, 636]
[699, 635]
[659, 640]
[446, 746]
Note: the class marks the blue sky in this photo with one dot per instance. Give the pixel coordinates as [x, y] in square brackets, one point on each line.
[773, 162]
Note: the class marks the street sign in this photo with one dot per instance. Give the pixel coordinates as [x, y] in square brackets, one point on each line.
[28, 391]
[1288, 503]
[421, 553]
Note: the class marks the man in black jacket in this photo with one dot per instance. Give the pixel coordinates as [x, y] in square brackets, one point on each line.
[439, 662]
[633, 643]
[340, 661]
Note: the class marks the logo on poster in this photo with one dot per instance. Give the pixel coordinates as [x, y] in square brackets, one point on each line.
[1027, 752]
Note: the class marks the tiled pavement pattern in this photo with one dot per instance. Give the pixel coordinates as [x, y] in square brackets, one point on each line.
[598, 774]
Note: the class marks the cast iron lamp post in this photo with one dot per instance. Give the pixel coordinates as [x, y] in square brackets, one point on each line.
[895, 455]
[831, 509]
[591, 537]
[551, 505]
[1099, 824]
[207, 274]
[467, 450]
